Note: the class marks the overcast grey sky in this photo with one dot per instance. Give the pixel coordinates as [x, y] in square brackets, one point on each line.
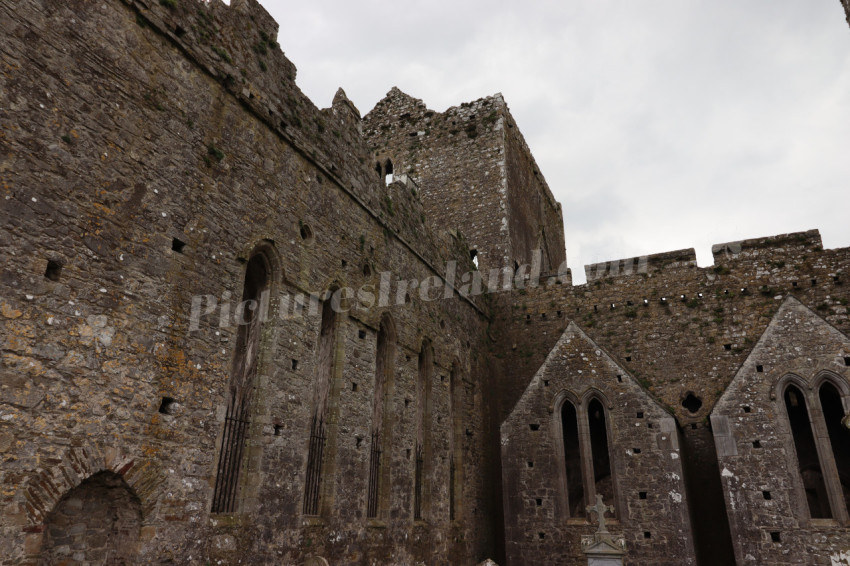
[658, 124]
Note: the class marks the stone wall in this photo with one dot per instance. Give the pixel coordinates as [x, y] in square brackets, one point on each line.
[475, 174]
[764, 475]
[682, 332]
[542, 524]
[146, 151]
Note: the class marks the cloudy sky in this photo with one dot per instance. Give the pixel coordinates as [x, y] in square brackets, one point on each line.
[659, 124]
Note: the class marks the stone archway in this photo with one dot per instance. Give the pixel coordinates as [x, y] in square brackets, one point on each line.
[97, 522]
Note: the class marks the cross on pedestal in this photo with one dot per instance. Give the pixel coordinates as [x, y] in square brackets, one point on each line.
[600, 509]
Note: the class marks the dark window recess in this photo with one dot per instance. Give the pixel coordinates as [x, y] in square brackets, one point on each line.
[836, 279]
[620, 378]
[647, 534]
[354, 386]
[775, 536]
[534, 426]
[747, 409]
[541, 536]
[727, 347]
[530, 464]
[306, 233]
[808, 460]
[640, 414]
[839, 436]
[693, 426]
[847, 360]
[278, 429]
[546, 382]
[236, 421]
[344, 263]
[814, 282]
[538, 501]
[361, 334]
[406, 402]
[642, 494]
[166, 407]
[358, 440]
[628, 358]
[756, 443]
[596, 421]
[636, 450]
[572, 460]
[560, 314]
[294, 364]
[54, 270]
[692, 403]
[179, 31]
[766, 495]
[760, 369]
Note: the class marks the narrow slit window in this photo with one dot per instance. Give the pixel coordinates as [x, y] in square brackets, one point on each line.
[599, 449]
[839, 435]
[807, 455]
[237, 417]
[572, 460]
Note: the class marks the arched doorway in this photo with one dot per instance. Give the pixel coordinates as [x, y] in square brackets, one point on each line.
[97, 522]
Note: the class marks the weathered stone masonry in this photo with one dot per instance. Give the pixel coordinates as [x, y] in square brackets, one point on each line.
[157, 156]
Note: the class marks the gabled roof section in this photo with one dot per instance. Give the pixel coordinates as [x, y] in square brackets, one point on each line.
[559, 352]
[796, 341]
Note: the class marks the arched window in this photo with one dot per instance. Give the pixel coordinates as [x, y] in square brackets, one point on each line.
[572, 460]
[597, 423]
[587, 469]
[839, 436]
[421, 499]
[807, 453]
[379, 463]
[324, 381]
[456, 442]
[255, 292]
[388, 171]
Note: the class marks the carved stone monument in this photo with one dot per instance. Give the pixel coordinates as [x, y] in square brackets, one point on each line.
[602, 548]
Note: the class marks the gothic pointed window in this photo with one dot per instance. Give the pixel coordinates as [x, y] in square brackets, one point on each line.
[421, 498]
[587, 469]
[255, 293]
[839, 438]
[379, 461]
[322, 396]
[808, 460]
[572, 460]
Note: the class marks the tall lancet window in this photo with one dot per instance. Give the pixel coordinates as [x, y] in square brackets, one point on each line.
[421, 499]
[379, 461]
[808, 461]
[456, 442]
[237, 419]
[324, 382]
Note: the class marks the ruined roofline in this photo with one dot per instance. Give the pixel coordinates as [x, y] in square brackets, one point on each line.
[498, 100]
[686, 258]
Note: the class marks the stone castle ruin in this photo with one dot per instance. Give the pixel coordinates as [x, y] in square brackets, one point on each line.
[237, 328]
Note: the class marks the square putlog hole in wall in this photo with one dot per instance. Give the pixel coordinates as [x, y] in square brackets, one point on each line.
[642, 494]
[177, 245]
[53, 270]
[775, 536]
[166, 407]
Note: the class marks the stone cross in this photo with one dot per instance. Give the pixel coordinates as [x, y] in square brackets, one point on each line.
[600, 509]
